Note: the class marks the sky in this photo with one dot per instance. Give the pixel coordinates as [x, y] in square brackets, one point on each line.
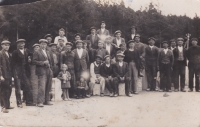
[174, 7]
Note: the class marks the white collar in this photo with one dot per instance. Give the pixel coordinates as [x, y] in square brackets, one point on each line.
[108, 65]
[80, 49]
[151, 46]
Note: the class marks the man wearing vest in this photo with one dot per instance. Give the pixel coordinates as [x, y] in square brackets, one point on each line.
[43, 61]
[179, 65]
[96, 78]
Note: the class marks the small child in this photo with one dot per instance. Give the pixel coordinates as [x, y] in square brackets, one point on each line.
[81, 88]
[65, 78]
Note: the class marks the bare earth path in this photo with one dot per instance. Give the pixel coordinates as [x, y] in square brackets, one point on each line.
[148, 109]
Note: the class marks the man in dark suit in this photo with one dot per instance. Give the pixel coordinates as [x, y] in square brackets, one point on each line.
[179, 65]
[121, 74]
[151, 59]
[77, 37]
[49, 38]
[165, 60]
[61, 47]
[101, 50]
[172, 47]
[131, 36]
[103, 32]
[81, 59]
[44, 64]
[6, 76]
[193, 56]
[21, 60]
[93, 38]
[118, 40]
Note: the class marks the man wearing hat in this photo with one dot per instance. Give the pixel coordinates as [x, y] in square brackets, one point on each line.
[44, 66]
[81, 59]
[106, 72]
[121, 74]
[48, 37]
[93, 38]
[96, 78]
[68, 57]
[103, 30]
[140, 47]
[151, 59]
[21, 61]
[180, 61]
[56, 60]
[61, 36]
[118, 39]
[5, 76]
[193, 54]
[101, 50]
[165, 64]
[172, 44]
[61, 46]
[77, 37]
[110, 48]
[131, 36]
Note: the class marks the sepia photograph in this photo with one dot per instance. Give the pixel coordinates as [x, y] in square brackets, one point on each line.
[99, 63]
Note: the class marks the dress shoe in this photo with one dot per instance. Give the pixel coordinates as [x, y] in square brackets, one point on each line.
[135, 93]
[20, 106]
[111, 95]
[190, 90]
[10, 107]
[102, 95]
[176, 90]
[4, 110]
[129, 95]
[197, 90]
[47, 103]
[169, 90]
[40, 105]
[147, 89]
[65, 99]
[31, 104]
[77, 97]
[183, 90]
[115, 95]
[160, 90]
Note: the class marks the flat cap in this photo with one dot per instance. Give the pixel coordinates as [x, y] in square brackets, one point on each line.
[63, 65]
[131, 41]
[137, 35]
[92, 28]
[77, 34]
[103, 22]
[122, 44]
[62, 29]
[21, 40]
[60, 39]
[5, 42]
[133, 27]
[35, 45]
[69, 43]
[47, 35]
[118, 31]
[43, 40]
[120, 54]
[165, 42]
[179, 39]
[172, 40]
[98, 56]
[194, 39]
[151, 38]
[106, 56]
[52, 44]
[79, 41]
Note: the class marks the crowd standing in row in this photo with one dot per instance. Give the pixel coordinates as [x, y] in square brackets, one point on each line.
[100, 59]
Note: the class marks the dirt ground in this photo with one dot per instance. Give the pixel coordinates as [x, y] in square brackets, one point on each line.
[148, 109]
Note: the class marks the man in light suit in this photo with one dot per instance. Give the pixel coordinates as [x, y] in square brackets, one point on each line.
[43, 61]
[118, 40]
[103, 32]
[81, 59]
[5, 76]
[93, 38]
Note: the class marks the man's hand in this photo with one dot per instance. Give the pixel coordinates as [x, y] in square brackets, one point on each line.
[2, 79]
[46, 62]
[109, 77]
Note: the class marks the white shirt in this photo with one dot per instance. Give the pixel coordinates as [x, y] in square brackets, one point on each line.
[102, 30]
[107, 65]
[93, 75]
[180, 48]
[132, 36]
[22, 51]
[80, 52]
[108, 48]
[118, 41]
[7, 53]
[151, 46]
[120, 64]
[44, 52]
[165, 51]
[172, 48]
[59, 37]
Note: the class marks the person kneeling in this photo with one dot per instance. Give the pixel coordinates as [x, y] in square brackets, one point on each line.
[121, 74]
[95, 75]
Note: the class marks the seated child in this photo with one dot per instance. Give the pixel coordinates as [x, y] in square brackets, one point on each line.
[65, 78]
[81, 88]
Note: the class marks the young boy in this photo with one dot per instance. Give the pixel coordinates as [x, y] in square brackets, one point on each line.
[101, 51]
[5, 77]
[165, 60]
[107, 72]
[121, 74]
[151, 58]
[95, 69]
[179, 65]
[61, 36]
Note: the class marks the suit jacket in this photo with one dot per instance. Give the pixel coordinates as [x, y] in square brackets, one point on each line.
[105, 72]
[129, 37]
[59, 50]
[5, 65]
[151, 56]
[103, 52]
[20, 62]
[38, 60]
[140, 47]
[81, 63]
[112, 51]
[115, 42]
[176, 55]
[106, 32]
[94, 43]
[68, 58]
[169, 56]
[125, 70]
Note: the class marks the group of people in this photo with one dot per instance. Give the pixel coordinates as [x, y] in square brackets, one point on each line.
[100, 59]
